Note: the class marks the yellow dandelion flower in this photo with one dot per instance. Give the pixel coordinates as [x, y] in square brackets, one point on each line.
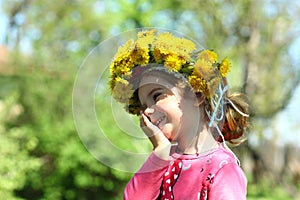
[122, 68]
[134, 55]
[158, 56]
[197, 83]
[208, 55]
[184, 48]
[224, 67]
[122, 59]
[124, 50]
[126, 47]
[122, 90]
[165, 37]
[173, 62]
[145, 38]
[204, 69]
[140, 56]
[164, 42]
[187, 45]
[147, 33]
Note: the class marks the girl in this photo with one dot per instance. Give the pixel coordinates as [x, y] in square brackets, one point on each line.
[182, 98]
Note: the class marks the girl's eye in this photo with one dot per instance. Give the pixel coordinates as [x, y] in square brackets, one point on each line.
[156, 96]
[159, 96]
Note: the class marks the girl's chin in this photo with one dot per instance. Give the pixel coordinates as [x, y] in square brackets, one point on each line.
[168, 132]
[169, 136]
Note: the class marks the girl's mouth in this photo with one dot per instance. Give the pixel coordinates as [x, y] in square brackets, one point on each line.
[159, 121]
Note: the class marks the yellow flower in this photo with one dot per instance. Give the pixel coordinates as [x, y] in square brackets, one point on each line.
[204, 69]
[166, 46]
[122, 91]
[125, 49]
[140, 56]
[122, 68]
[208, 55]
[184, 48]
[197, 83]
[164, 43]
[145, 38]
[224, 67]
[173, 62]
[158, 56]
[122, 63]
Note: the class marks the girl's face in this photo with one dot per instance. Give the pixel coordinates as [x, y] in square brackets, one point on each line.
[162, 103]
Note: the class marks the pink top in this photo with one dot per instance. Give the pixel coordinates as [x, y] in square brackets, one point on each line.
[214, 175]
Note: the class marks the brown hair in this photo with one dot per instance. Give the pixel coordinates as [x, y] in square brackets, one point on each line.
[236, 121]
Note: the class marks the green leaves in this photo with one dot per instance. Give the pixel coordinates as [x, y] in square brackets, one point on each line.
[15, 143]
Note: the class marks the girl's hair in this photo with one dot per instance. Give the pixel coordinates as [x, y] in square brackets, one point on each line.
[236, 121]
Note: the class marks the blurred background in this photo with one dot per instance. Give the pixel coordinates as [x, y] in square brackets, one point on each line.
[43, 44]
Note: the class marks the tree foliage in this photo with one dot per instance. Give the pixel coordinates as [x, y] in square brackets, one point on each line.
[15, 143]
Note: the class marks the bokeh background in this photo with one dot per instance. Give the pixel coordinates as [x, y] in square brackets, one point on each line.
[43, 44]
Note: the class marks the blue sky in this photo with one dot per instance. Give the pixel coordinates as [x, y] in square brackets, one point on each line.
[3, 24]
[288, 121]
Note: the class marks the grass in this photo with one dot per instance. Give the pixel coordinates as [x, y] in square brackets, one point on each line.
[266, 190]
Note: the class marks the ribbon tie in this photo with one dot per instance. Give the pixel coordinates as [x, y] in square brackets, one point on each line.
[169, 180]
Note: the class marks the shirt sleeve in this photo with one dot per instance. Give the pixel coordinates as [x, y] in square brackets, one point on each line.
[146, 183]
[230, 183]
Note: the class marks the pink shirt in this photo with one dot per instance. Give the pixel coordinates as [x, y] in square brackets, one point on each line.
[214, 175]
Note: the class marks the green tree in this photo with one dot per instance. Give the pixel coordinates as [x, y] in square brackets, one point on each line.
[15, 143]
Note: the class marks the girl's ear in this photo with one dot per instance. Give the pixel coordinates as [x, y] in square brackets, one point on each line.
[200, 99]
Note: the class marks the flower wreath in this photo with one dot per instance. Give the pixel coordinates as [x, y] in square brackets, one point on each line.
[204, 73]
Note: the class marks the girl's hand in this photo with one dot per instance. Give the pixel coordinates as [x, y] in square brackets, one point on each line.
[161, 144]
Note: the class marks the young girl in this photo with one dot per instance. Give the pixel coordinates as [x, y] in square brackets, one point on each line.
[186, 111]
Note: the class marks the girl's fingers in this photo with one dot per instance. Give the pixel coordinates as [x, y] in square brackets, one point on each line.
[152, 131]
[149, 128]
[159, 141]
